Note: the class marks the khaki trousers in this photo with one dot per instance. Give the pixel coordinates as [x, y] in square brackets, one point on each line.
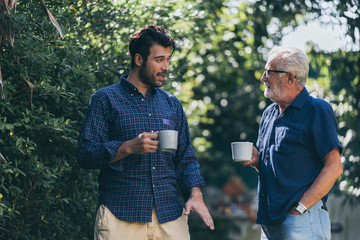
[108, 227]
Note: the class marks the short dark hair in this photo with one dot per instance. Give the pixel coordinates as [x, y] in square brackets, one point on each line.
[143, 39]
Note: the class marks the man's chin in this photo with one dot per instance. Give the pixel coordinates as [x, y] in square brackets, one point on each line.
[157, 84]
[267, 94]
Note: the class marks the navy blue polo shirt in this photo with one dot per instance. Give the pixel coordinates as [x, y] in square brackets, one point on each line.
[292, 148]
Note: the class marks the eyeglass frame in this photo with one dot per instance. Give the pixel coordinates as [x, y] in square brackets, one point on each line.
[276, 71]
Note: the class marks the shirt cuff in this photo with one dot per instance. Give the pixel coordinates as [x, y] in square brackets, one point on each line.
[195, 181]
[112, 147]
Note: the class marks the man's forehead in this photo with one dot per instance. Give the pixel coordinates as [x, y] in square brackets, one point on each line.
[157, 50]
[271, 63]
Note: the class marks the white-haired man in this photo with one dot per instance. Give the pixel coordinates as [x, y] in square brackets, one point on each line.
[298, 156]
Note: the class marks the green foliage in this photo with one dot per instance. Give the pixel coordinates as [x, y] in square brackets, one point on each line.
[345, 97]
[43, 191]
[48, 82]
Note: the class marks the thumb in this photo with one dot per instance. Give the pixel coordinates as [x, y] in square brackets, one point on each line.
[187, 209]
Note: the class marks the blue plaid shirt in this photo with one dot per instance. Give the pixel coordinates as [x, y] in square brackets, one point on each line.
[130, 187]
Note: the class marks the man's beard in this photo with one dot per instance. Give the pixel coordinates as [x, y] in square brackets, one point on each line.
[275, 93]
[148, 79]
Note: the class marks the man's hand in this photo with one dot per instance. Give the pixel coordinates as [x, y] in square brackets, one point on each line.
[144, 143]
[292, 211]
[254, 160]
[196, 204]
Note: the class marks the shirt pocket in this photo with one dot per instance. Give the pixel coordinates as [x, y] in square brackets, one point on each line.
[286, 138]
[165, 123]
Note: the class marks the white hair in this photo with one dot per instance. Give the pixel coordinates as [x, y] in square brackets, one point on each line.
[291, 59]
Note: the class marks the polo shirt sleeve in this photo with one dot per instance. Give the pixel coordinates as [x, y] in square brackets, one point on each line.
[94, 148]
[324, 129]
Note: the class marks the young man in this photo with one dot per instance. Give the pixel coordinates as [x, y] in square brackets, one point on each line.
[299, 153]
[138, 182]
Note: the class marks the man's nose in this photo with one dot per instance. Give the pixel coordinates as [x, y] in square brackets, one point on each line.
[263, 78]
[165, 66]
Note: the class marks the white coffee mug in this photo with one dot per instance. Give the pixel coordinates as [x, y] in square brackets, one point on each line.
[168, 140]
[241, 151]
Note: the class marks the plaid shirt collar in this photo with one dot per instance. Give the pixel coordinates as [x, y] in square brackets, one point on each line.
[130, 88]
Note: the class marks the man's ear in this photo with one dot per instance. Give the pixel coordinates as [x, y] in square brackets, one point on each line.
[138, 59]
[291, 78]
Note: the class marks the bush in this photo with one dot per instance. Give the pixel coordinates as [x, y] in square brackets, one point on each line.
[44, 194]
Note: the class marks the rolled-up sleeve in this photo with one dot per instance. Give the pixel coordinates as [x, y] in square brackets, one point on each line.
[94, 148]
[187, 167]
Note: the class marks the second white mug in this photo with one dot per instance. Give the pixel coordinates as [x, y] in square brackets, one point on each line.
[241, 151]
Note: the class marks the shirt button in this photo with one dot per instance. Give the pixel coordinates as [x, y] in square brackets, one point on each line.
[131, 94]
[142, 99]
[154, 185]
[150, 114]
[154, 168]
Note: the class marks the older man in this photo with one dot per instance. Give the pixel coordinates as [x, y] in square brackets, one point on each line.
[299, 152]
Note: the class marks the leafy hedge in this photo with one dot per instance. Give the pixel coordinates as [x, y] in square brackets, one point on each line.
[44, 194]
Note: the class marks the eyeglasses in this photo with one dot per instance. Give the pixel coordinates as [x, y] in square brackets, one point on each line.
[276, 71]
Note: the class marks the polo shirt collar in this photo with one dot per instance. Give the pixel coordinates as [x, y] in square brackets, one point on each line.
[300, 99]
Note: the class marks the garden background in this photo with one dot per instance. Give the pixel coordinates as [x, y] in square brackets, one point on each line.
[55, 54]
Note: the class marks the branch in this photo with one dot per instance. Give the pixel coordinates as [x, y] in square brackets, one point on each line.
[1, 86]
[3, 158]
[52, 19]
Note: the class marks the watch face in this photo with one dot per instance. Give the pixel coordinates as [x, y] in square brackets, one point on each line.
[300, 209]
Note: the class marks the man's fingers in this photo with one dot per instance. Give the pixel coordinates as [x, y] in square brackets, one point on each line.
[203, 213]
[207, 219]
[152, 145]
[146, 143]
[187, 209]
[149, 142]
[150, 135]
[153, 142]
[209, 222]
[247, 163]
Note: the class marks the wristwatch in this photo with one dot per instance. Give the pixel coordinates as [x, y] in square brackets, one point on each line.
[300, 208]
